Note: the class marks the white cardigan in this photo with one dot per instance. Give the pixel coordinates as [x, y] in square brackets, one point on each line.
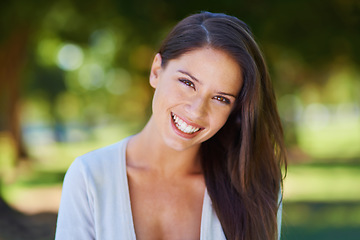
[95, 202]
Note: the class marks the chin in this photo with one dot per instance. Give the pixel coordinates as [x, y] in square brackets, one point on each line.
[181, 146]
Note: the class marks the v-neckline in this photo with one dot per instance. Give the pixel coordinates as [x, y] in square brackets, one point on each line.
[129, 215]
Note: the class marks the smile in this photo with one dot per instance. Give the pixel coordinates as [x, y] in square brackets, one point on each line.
[183, 126]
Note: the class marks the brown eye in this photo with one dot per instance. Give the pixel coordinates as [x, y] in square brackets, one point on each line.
[188, 83]
[222, 99]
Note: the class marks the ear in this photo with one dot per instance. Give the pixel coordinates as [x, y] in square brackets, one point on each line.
[155, 70]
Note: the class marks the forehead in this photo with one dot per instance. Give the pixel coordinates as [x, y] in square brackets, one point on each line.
[209, 65]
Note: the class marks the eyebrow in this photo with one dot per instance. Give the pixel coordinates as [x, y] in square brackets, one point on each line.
[197, 80]
[227, 94]
[189, 75]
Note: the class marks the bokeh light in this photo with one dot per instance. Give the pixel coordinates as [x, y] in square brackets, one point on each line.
[91, 76]
[70, 57]
[316, 116]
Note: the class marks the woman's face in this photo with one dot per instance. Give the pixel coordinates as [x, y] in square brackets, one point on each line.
[194, 95]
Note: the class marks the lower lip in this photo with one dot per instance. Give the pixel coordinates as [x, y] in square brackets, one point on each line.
[180, 133]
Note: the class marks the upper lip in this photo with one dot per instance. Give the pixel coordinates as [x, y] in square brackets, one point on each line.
[189, 122]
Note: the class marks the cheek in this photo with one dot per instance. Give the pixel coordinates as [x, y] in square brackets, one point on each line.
[157, 102]
[165, 96]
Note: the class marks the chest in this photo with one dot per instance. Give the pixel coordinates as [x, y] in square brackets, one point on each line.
[166, 210]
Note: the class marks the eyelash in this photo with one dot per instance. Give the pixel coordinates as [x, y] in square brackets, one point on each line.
[188, 83]
[221, 99]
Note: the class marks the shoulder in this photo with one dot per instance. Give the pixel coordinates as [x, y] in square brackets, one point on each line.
[100, 160]
[105, 155]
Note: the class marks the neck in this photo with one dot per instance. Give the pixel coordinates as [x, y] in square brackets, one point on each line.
[148, 151]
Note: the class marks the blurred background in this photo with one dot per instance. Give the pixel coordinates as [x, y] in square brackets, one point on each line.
[74, 77]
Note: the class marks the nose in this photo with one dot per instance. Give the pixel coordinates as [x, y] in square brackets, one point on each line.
[196, 107]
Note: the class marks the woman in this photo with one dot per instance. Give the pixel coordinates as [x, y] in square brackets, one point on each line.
[207, 165]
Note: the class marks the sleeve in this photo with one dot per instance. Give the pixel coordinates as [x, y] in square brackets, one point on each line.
[75, 219]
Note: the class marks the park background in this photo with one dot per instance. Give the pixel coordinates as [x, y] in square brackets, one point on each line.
[74, 77]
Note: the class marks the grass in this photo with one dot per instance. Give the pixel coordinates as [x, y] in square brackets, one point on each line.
[339, 139]
[322, 201]
[323, 182]
[321, 220]
[326, 233]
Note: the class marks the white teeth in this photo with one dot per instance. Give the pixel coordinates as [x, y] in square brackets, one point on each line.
[183, 126]
[188, 129]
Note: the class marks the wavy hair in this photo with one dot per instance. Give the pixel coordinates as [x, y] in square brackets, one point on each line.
[242, 162]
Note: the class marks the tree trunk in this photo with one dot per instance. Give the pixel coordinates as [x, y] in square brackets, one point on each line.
[12, 59]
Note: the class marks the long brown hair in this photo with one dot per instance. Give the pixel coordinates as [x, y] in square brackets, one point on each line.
[242, 162]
